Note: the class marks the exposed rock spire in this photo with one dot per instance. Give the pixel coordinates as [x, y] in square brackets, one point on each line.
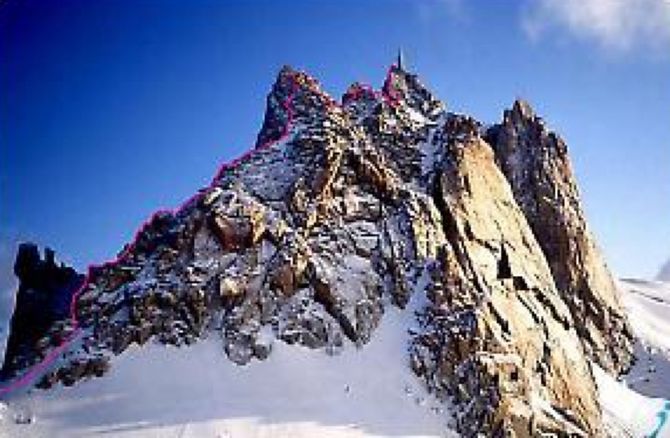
[536, 163]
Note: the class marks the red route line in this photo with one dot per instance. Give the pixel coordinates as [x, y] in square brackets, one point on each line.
[390, 96]
[37, 369]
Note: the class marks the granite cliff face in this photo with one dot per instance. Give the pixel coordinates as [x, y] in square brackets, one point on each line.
[536, 163]
[386, 199]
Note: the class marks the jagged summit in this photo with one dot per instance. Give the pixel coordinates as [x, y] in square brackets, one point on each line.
[344, 211]
[293, 93]
[403, 85]
[360, 91]
[521, 109]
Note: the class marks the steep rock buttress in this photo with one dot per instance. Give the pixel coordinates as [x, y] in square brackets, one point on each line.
[536, 163]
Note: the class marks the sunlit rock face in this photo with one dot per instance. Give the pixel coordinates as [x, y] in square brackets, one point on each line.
[536, 163]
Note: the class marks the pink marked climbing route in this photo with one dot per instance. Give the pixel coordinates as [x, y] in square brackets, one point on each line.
[388, 96]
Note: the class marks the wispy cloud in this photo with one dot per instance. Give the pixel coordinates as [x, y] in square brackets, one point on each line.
[615, 25]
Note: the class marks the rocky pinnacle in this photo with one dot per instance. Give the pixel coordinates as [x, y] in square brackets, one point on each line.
[386, 199]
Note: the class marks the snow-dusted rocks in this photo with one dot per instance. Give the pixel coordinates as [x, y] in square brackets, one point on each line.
[346, 213]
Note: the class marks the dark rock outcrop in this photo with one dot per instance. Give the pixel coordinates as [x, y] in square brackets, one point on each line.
[43, 299]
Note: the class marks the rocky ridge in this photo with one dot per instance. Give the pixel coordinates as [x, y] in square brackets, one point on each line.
[345, 209]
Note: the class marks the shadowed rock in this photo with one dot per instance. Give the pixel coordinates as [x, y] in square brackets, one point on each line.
[43, 298]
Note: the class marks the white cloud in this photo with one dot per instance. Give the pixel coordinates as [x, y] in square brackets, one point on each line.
[616, 25]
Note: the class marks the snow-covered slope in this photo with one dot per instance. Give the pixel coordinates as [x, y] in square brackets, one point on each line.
[158, 391]
[640, 404]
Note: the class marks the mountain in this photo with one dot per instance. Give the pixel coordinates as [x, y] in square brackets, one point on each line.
[664, 272]
[347, 215]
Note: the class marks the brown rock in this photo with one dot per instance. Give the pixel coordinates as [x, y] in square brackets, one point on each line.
[536, 164]
[227, 232]
[510, 345]
[283, 278]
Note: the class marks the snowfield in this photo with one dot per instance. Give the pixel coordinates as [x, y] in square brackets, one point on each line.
[157, 391]
[638, 405]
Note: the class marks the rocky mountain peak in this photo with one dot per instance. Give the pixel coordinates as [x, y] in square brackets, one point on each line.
[295, 95]
[521, 110]
[360, 99]
[403, 86]
[343, 211]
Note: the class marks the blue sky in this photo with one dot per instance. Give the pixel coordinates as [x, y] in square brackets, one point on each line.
[110, 110]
